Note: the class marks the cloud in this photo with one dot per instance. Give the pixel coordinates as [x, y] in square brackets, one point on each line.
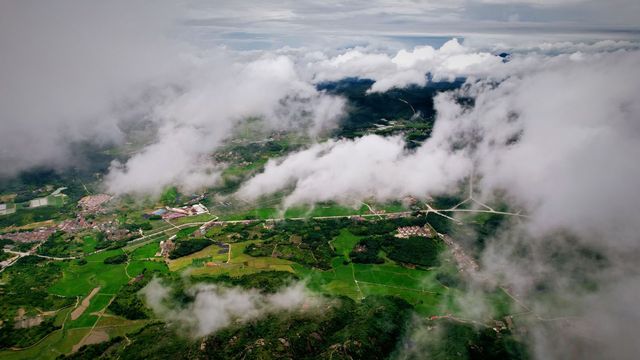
[215, 307]
[69, 75]
[583, 117]
[571, 159]
[349, 171]
[406, 68]
[219, 92]
[63, 68]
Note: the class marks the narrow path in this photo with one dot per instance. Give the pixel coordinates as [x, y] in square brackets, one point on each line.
[398, 287]
[126, 267]
[170, 223]
[411, 106]
[373, 211]
[353, 274]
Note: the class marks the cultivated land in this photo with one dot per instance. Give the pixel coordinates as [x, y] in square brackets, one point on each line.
[93, 284]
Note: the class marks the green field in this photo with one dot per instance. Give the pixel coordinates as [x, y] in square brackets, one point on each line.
[202, 218]
[358, 281]
[62, 341]
[273, 212]
[78, 281]
[89, 243]
[57, 201]
[344, 242]
[145, 251]
[242, 264]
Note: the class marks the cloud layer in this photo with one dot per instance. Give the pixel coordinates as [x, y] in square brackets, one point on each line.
[406, 68]
[64, 66]
[217, 94]
[350, 171]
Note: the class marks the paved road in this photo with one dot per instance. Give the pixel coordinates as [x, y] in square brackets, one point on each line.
[174, 227]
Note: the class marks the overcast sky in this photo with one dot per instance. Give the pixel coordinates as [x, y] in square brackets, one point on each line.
[272, 24]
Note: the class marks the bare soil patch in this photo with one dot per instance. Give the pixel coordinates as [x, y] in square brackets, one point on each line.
[84, 305]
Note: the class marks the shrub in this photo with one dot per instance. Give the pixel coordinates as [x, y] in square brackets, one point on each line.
[116, 259]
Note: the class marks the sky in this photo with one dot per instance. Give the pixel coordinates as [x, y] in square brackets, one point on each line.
[273, 24]
[556, 128]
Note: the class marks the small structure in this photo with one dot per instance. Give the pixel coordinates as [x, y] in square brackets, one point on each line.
[172, 215]
[199, 209]
[409, 201]
[190, 210]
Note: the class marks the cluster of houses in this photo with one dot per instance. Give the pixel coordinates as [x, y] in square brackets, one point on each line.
[74, 225]
[70, 226]
[37, 235]
[412, 231]
[93, 203]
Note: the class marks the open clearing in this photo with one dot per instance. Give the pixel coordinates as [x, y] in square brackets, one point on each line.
[95, 337]
[84, 304]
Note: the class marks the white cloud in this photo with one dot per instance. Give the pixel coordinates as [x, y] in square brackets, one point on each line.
[349, 171]
[71, 75]
[215, 307]
[406, 68]
[65, 65]
[217, 95]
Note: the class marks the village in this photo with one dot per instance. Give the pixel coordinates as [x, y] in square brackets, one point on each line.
[411, 231]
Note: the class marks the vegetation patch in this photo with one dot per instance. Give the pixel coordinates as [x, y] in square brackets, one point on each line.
[456, 340]
[189, 246]
[128, 303]
[21, 338]
[116, 259]
[367, 250]
[25, 285]
[414, 250]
